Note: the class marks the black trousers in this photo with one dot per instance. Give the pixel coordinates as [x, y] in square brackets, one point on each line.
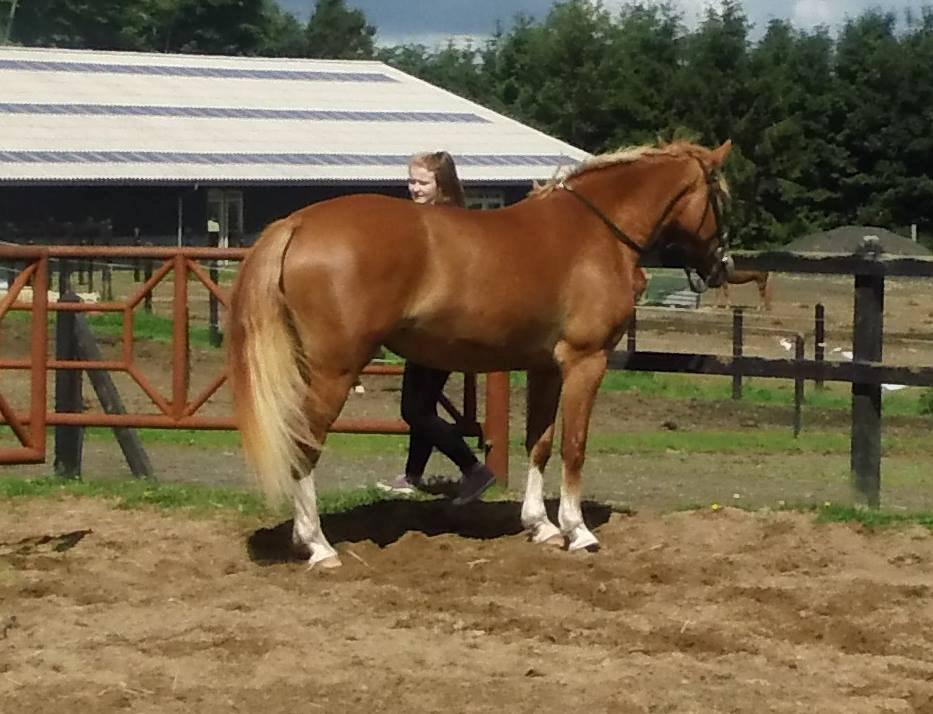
[421, 390]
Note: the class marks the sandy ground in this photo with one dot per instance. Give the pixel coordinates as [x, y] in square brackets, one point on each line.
[104, 610]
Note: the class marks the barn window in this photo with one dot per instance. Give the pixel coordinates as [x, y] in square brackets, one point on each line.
[484, 198]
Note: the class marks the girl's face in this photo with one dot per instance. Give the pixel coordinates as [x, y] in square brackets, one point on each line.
[422, 184]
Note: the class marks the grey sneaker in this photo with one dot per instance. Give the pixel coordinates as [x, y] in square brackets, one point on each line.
[400, 484]
[474, 484]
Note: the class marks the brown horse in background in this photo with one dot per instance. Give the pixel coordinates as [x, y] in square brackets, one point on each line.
[545, 285]
[740, 277]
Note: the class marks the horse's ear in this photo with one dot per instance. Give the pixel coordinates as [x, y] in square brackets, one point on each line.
[718, 156]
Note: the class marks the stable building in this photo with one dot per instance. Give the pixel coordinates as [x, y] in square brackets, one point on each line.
[167, 147]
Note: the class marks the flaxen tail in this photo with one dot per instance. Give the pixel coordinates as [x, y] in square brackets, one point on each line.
[266, 366]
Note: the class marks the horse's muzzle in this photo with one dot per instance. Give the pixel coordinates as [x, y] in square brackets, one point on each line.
[722, 270]
[719, 273]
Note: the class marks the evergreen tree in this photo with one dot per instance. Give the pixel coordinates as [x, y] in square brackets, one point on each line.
[337, 32]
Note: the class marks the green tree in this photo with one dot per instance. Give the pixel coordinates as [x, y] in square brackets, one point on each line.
[645, 51]
[223, 27]
[79, 24]
[712, 94]
[230, 27]
[338, 32]
[873, 91]
[553, 75]
[787, 135]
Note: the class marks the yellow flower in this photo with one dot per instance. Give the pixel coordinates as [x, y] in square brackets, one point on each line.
[715, 507]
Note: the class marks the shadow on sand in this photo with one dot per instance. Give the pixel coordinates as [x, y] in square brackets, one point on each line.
[385, 522]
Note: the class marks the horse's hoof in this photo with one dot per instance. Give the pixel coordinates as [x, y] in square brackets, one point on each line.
[584, 541]
[328, 563]
[545, 533]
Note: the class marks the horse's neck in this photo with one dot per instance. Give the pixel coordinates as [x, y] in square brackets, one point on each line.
[627, 194]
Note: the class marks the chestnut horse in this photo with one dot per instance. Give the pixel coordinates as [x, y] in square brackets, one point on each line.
[762, 279]
[545, 285]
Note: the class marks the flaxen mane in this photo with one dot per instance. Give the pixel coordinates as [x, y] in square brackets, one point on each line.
[626, 155]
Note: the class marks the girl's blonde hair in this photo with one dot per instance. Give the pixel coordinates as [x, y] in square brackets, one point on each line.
[441, 164]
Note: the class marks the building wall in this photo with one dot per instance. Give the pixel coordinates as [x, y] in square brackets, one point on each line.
[34, 212]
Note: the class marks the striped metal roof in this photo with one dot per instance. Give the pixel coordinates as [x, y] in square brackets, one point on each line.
[75, 116]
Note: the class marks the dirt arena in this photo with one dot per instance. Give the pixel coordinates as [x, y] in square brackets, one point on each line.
[104, 610]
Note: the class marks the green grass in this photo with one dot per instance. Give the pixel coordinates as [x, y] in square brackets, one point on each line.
[147, 326]
[202, 500]
[760, 441]
[345, 444]
[191, 498]
[870, 518]
[755, 391]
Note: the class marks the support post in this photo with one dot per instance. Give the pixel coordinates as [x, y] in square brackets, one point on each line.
[147, 274]
[496, 428]
[867, 339]
[632, 333]
[798, 385]
[69, 440]
[215, 336]
[819, 340]
[737, 313]
[88, 349]
[136, 261]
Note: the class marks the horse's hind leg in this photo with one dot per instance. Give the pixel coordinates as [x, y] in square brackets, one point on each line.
[543, 396]
[582, 373]
[327, 392]
[723, 296]
[764, 292]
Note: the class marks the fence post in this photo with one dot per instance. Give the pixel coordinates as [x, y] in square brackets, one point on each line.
[867, 337]
[82, 264]
[69, 440]
[798, 384]
[106, 277]
[469, 397]
[819, 346]
[213, 320]
[496, 428]
[90, 267]
[108, 395]
[632, 334]
[147, 274]
[137, 243]
[737, 313]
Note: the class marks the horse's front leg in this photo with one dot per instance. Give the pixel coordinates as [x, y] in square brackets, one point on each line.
[582, 374]
[543, 396]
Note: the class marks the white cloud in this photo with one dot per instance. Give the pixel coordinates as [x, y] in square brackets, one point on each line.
[807, 13]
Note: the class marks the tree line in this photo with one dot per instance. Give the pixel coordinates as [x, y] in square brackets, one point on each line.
[829, 129]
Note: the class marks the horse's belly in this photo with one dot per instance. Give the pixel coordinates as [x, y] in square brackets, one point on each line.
[472, 354]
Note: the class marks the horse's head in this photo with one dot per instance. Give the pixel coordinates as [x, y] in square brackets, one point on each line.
[694, 237]
[680, 214]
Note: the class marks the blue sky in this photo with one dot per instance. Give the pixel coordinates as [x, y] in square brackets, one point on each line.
[433, 21]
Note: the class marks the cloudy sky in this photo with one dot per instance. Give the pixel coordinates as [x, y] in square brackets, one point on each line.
[433, 21]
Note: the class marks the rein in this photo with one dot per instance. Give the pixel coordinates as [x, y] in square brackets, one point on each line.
[616, 231]
[623, 237]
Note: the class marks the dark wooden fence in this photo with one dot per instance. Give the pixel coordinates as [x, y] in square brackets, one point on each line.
[866, 372]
